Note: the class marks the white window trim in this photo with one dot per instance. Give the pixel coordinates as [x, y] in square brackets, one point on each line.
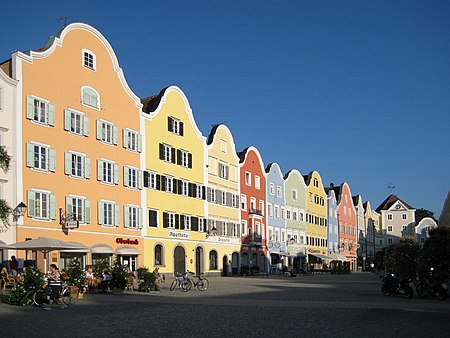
[98, 98]
[94, 61]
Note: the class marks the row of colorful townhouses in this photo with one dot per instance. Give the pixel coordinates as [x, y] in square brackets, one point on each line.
[135, 179]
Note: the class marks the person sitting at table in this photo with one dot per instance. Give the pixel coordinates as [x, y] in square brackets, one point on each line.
[4, 272]
[106, 280]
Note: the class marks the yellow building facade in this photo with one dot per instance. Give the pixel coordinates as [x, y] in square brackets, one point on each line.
[174, 181]
[316, 219]
[80, 148]
[223, 242]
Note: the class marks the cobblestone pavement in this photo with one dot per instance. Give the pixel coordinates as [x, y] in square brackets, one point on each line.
[314, 306]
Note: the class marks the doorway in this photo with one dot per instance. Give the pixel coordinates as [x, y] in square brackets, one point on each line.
[199, 261]
[179, 260]
[225, 266]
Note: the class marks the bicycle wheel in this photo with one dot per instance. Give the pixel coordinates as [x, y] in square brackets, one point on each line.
[186, 285]
[203, 284]
[173, 285]
[40, 298]
[65, 295]
[28, 299]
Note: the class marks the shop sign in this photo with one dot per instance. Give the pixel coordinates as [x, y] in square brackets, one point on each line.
[174, 234]
[314, 251]
[127, 241]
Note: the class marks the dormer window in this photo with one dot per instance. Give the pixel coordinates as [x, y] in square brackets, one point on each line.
[90, 97]
[89, 59]
[175, 126]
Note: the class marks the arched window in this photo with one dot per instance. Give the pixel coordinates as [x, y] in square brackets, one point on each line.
[159, 254]
[90, 97]
[213, 260]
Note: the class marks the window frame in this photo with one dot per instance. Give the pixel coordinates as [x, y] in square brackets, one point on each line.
[91, 92]
[85, 51]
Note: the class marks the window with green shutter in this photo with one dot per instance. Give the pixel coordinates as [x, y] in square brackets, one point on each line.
[90, 97]
[40, 111]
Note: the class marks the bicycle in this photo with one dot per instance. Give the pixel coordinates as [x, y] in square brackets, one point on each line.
[41, 297]
[201, 283]
[180, 281]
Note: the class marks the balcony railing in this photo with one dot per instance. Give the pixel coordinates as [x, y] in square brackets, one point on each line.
[255, 211]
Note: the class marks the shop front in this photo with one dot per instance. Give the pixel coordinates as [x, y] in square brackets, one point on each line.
[100, 252]
[66, 257]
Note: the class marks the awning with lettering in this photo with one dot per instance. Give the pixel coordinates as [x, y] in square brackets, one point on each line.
[102, 249]
[126, 250]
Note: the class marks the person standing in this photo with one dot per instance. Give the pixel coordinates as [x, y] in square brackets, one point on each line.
[14, 266]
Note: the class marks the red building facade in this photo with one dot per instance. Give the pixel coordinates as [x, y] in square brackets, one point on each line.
[253, 211]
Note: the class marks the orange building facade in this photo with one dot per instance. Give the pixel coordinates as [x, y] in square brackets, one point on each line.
[80, 157]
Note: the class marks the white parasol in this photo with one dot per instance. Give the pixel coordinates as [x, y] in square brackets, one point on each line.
[45, 245]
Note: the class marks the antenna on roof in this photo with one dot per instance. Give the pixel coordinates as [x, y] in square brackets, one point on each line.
[391, 188]
[65, 19]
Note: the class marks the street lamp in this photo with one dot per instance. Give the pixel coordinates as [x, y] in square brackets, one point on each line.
[19, 211]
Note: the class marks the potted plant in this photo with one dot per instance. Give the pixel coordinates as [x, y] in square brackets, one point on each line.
[118, 277]
[77, 278]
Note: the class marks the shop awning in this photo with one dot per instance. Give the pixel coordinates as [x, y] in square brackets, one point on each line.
[338, 257]
[126, 250]
[78, 247]
[102, 249]
[323, 257]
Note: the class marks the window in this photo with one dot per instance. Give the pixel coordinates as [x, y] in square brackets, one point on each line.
[89, 59]
[257, 182]
[404, 227]
[41, 157]
[316, 183]
[269, 209]
[261, 206]
[389, 217]
[186, 222]
[223, 197]
[294, 194]
[175, 126]
[132, 177]
[108, 213]
[40, 111]
[223, 171]
[404, 217]
[283, 213]
[252, 203]
[167, 184]
[184, 159]
[223, 146]
[272, 189]
[133, 217]
[294, 215]
[244, 228]
[41, 205]
[159, 254]
[152, 180]
[389, 240]
[79, 207]
[169, 220]
[279, 191]
[199, 191]
[107, 132]
[288, 213]
[90, 97]
[248, 178]
[234, 201]
[77, 165]
[184, 188]
[132, 140]
[166, 153]
[107, 172]
[76, 122]
[213, 260]
[389, 228]
[244, 202]
[152, 218]
[276, 212]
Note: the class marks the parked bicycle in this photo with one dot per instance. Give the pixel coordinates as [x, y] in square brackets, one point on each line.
[179, 281]
[199, 282]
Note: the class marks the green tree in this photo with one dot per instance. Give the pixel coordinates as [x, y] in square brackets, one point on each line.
[403, 258]
[422, 213]
[436, 253]
[5, 209]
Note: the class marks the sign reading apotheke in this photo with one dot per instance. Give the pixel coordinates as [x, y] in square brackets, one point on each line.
[174, 234]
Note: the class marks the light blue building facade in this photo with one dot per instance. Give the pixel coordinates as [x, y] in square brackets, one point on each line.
[276, 217]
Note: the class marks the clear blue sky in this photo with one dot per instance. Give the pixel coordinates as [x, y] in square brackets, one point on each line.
[358, 90]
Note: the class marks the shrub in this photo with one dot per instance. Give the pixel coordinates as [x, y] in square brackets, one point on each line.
[118, 275]
[101, 266]
[149, 282]
[77, 276]
[31, 279]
